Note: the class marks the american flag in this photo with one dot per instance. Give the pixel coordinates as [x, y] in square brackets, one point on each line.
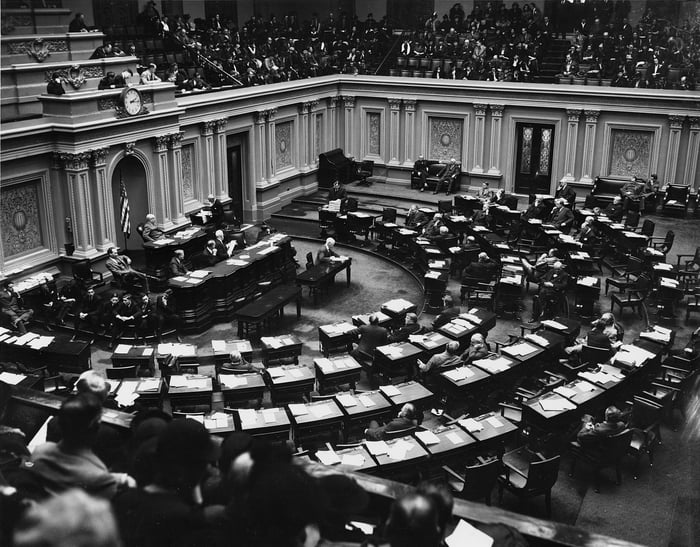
[124, 206]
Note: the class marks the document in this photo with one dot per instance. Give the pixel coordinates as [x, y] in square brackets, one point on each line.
[565, 391]
[353, 460]
[276, 372]
[458, 374]
[470, 317]
[554, 324]
[149, 384]
[199, 274]
[178, 381]
[233, 380]
[465, 534]
[537, 339]
[555, 404]
[296, 373]
[427, 437]
[454, 437]
[122, 348]
[377, 448]
[494, 422]
[320, 411]
[390, 391]
[347, 400]
[247, 416]
[219, 346]
[298, 409]
[327, 457]
[269, 415]
[471, 425]
[366, 401]
[11, 378]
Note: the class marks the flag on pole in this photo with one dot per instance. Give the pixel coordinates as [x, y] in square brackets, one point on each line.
[124, 206]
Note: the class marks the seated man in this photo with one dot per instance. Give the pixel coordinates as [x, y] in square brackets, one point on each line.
[237, 363]
[210, 255]
[561, 216]
[149, 75]
[147, 318]
[433, 227]
[447, 358]
[596, 338]
[553, 285]
[408, 417]
[177, 265]
[448, 177]
[410, 327]
[337, 192]
[55, 306]
[587, 235]
[151, 232]
[483, 217]
[415, 217]
[88, 311]
[592, 433]
[127, 314]
[612, 329]
[478, 349]
[371, 336]
[483, 270]
[565, 192]
[224, 250]
[448, 313]
[12, 307]
[485, 193]
[108, 312]
[166, 312]
[542, 265]
[420, 171]
[326, 253]
[615, 210]
[120, 266]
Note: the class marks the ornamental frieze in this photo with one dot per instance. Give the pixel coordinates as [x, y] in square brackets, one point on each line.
[39, 48]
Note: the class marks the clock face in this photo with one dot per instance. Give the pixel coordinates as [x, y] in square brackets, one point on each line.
[132, 101]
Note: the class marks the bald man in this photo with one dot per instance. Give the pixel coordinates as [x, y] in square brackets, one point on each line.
[151, 232]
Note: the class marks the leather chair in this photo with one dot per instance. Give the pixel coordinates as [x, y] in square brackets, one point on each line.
[608, 453]
[676, 200]
[539, 479]
[477, 481]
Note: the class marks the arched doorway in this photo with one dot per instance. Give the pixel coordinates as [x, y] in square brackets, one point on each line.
[133, 173]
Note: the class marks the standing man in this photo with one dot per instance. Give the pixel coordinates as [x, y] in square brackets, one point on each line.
[566, 192]
[217, 210]
[165, 311]
[88, 312]
[177, 264]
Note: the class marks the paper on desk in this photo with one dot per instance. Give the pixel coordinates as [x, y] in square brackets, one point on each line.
[377, 448]
[428, 437]
[454, 437]
[11, 378]
[215, 423]
[199, 274]
[588, 281]
[4, 336]
[298, 409]
[457, 374]
[296, 373]
[327, 457]
[585, 387]
[320, 411]
[196, 417]
[465, 534]
[537, 339]
[494, 421]
[271, 341]
[126, 395]
[269, 415]
[366, 401]
[470, 317]
[122, 348]
[471, 425]
[397, 304]
[233, 380]
[432, 275]
[390, 391]
[565, 391]
[347, 400]
[554, 324]
[178, 381]
[663, 266]
[147, 351]
[149, 384]
[180, 278]
[354, 460]
[276, 372]
[552, 404]
[248, 416]
[493, 365]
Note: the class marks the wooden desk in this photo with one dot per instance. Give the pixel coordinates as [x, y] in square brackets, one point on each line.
[408, 392]
[523, 351]
[146, 391]
[216, 422]
[270, 423]
[290, 382]
[336, 371]
[269, 305]
[396, 359]
[587, 292]
[496, 365]
[460, 330]
[431, 343]
[463, 380]
[337, 337]
[570, 328]
[582, 393]
[397, 310]
[222, 350]
[550, 420]
[361, 408]
[548, 340]
[158, 253]
[359, 320]
[453, 444]
[402, 459]
[322, 274]
[495, 429]
[21, 380]
[239, 388]
[125, 355]
[57, 352]
[316, 418]
[606, 376]
[357, 459]
[190, 390]
[276, 349]
[483, 319]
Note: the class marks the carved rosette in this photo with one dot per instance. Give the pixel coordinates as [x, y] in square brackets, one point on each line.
[394, 103]
[208, 127]
[348, 101]
[675, 121]
[160, 143]
[99, 156]
[221, 124]
[694, 123]
[409, 105]
[497, 110]
[480, 109]
[129, 148]
[592, 116]
[175, 139]
[573, 114]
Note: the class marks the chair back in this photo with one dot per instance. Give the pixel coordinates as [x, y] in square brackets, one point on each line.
[350, 205]
[648, 227]
[309, 260]
[543, 475]
[389, 215]
[230, 219]
[668, 241]
[590, 202]
[635, 265]
[445, 206]
[632, 219]
[678, 193]
[480, 479]
[511, 202]
[119, 373]
[239, 238]
[139, 229]
[366, 168]
[399, 433]
[645, 414]
[615, 446]
[594, 355]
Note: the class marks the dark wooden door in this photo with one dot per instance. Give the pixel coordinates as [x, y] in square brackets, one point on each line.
[533, 165]
[235, 179]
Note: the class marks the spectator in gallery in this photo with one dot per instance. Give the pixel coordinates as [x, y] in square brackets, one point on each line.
[149, 75]
[78, 23]
[55, 85]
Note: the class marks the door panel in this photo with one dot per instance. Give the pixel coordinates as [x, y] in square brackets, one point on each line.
[533, 166]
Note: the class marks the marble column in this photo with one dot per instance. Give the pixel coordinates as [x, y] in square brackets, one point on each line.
[394, 130]
[589, 144]
[305, 137]
[691, 157]
[495, 147]
[675, 123]
[313, 136]
[259, 142]
[220, 159]
[209, 162]
[175, 198]
[159, 192]
[349, 126]
[332, 124]
[479, 132]
[572, 116]
[80, 201]
[105, 234]
[409, 128]
[271, 145]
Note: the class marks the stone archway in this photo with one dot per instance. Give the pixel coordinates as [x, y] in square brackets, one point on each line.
[133, 173]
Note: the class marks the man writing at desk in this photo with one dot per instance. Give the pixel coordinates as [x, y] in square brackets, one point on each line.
[337, 192]
[326, 253]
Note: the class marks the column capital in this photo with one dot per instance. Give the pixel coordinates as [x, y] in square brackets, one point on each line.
[99, 156]
[480, 109]
[409, 105]
[221, 124]
[573, 114]
[74, 162]
[305, 108]
[675, 121]
[260, 117]
[497, 110]
[270, 114]
[592, 116]
[175, 139]
[394, 103]
[349, 101]
[129, 148]
[160, 143]
[694, 122]
[208, 127]
[333, 102]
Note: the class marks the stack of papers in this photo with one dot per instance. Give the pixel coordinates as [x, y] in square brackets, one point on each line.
[272, 341]
[41, 342]
[458, 374]
[397, 305]
[471, 425]
[639, 355]
[327, 457]
[663, 266]
[298, 409]
[588, 281]
[338, 328]
[247, 416]
[276, 372]
[199, 274]
[537, 339]
[469, 316]
[659, 334]
[554, 324]
[233, 380]
[390, 391]
[354, 460]
[219, 346]
[392, 351]
[217, 420]
[493, 365]
[149, 384]
[377, 448]
[11, 378]
[427, 437]
[346, 400]
[520, 349]
[465, 534]
[399, 449]
[126, 395]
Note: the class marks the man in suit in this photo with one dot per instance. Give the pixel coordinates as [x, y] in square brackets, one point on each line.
[448, 313]
[12, 307]
[108, 312]
[432, 229]
[565, 192]
[591, 433]
[552, 286]
[54, 306]
[448, 177]
[483, 269]
[587, 234]
[596, 338]
[151, 232]
[166, 312]
[478, 349]
[415, 217]
[216, 208]
[127, 314]
[337, 192]
[89, 310]
[223, 250]
[407, 417]
[120, 266]
[326, 253]
[561, 216]
[441, 360]
[147, 317]
[409, 328]
[177, 264]
[149, 75]
[614, 211]
[371, 336]
[420, 170]
[209, 255]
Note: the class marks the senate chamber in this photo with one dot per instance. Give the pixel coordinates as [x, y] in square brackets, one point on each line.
[349, 272]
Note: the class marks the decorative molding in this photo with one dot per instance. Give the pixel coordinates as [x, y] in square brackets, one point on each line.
[332, 102]
[497, 110]
[304, 108]
[208, 127]
[394, 103]
[99, 156]
[694, 123]
[11, 22]
[160, 143]
[175, 139]
[573, 114]
[348, 101]
[221, 124]
[74, 162]
[480, 109]
[270, 114]
[147, 96]
[409, 105]
[187, 161]
[283, 146]
[20, 219]
[39, 49]
[260, 117]
[445, 138]
[374, 135]
[631, 153]
[592, 116]
[107, 103]
[129, 148]
[675, 121]
[75, 75]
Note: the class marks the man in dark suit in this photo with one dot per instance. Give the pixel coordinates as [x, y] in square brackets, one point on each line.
[88, 312]
[337, 192]
[326, 253]
[127, 314]
[408, 417]
[415, 217]
[371, 336]
[448, 313]
[12, 307]
[209, 255]
[552, 286]
[216, 208]
[614, 211]
[147, 317]
[566, 192]
[448, 177]
[561, 216]
[420, 170]
[177, 264]
[409, 328]
[483, 269]
[591, 434]
[166, 312]
[596, 338]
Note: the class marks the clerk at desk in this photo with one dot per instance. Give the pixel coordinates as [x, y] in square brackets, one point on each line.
[337, 192]
[326, 253]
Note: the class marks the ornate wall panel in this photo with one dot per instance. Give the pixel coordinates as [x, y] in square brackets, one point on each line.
[631, 153]
[374, 137]
[445, 138]
[188, 171]
[283, 145]
[20, 219]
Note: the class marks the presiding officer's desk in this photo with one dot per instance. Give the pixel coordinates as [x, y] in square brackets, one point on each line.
[158, 253]
[201, 301]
